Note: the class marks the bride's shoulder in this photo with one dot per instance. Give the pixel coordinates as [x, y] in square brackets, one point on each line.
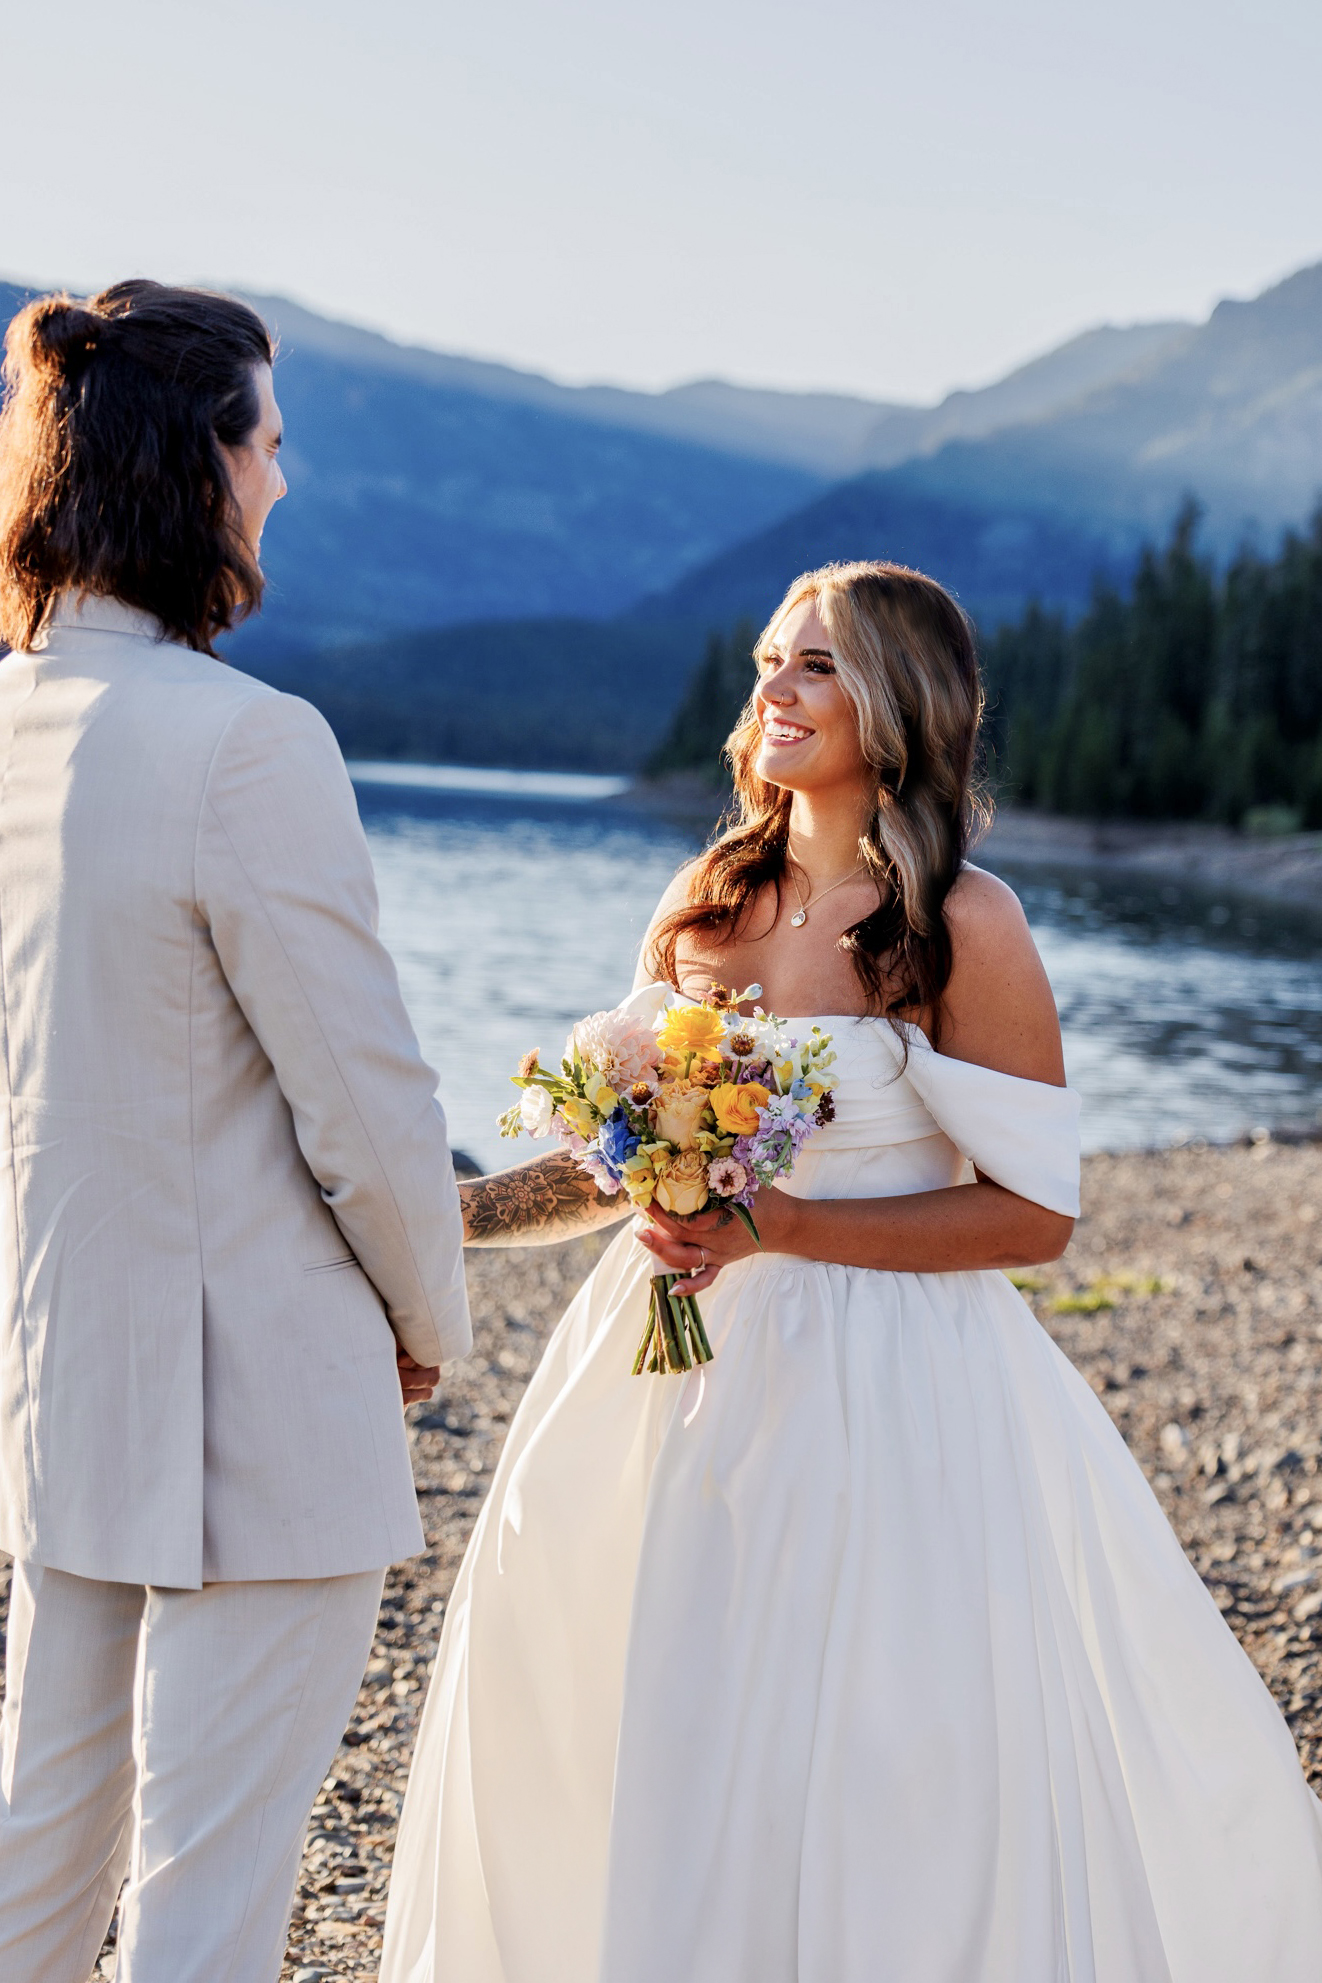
[676, 897]
[677, 893]
[983, 910]
[998, 1009]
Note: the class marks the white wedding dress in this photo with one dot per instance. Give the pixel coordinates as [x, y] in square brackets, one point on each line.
[864, 1656]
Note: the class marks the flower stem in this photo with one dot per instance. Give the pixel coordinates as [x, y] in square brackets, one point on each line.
[675, 1338]
[702, 1349]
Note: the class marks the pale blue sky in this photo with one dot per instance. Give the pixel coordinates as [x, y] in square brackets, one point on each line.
[892, 198]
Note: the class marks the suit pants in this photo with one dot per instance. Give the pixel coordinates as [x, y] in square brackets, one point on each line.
[176, 1738]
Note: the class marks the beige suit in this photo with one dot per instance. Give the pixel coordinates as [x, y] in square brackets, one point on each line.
[226, 1190]
[226, 1178]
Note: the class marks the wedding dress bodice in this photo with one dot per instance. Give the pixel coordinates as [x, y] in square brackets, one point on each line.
[907, 1119]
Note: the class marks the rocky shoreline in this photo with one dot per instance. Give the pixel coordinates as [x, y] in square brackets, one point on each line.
[1190, 1298]
[1284, 868]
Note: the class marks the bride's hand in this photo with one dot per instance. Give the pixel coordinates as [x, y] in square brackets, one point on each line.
[701, 1244]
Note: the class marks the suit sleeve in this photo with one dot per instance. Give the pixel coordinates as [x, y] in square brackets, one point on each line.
[284, 881]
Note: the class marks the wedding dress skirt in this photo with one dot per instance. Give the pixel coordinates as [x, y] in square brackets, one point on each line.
[864, 1655]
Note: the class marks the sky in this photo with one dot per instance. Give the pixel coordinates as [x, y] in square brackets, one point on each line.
[886, 197]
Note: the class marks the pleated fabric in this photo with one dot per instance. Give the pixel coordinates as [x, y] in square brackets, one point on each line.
[864, 1655]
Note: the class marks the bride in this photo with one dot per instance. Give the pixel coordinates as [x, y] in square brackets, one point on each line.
[864, 1654]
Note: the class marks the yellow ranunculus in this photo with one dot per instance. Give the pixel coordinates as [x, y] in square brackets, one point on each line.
[736, 1107]
[683, 1188]
[693, 1029]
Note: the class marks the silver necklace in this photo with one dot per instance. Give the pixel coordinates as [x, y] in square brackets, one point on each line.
[798, 920]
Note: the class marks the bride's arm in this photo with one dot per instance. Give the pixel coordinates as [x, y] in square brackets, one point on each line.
[998, 1012]
[535, 1203]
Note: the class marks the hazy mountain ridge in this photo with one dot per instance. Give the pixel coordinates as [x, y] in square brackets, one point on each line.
[1229, 411]
[831, 435]
[991, 559]
[413, 506]
[454, 525]
[418, 499]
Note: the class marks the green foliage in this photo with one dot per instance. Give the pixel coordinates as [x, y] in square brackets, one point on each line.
[1198, 696]
[713, 703]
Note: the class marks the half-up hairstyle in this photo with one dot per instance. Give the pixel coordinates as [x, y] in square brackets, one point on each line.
[112, 479]
[906, 660]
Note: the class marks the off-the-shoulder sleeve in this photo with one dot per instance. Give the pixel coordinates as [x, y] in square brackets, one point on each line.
[1022, 1134]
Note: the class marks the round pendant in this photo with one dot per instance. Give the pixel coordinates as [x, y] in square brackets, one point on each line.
[797, 921]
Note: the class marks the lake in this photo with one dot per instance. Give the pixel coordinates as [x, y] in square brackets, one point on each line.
[513, 909]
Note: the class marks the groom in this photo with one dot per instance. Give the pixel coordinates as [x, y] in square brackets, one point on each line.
[229, 1225]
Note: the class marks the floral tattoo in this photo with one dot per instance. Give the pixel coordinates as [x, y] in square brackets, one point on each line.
[535, 1204]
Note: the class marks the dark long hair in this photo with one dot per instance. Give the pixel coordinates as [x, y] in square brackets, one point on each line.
[112, 479]
[906, 660]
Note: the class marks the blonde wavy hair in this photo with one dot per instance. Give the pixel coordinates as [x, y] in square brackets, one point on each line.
[907, 662]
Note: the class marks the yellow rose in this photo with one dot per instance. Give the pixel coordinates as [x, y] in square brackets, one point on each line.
[680, 1107]
[683, 1188]
[736, 1107]
[693, 1029]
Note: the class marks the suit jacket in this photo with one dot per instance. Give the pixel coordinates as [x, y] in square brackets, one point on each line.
[226, 1188]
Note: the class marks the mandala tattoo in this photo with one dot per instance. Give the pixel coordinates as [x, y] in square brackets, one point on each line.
[546, 1200]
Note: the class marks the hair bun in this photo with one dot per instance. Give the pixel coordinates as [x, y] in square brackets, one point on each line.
[62, 335]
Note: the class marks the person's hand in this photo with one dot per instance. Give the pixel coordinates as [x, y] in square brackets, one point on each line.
[701, 1244]
[417, 1381]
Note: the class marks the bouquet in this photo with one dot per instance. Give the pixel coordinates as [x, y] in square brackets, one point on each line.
[697, 1107]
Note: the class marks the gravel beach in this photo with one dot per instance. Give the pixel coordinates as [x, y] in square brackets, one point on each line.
[1191, 1299]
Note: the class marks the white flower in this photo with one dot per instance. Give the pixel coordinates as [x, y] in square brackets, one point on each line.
[536, 1109]
[770, 1038]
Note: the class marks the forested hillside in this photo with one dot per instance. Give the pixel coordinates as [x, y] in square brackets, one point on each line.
[1192, 695]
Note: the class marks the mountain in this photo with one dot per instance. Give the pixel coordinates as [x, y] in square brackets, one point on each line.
[831, 435]
[1044, 389]
[1229, 411]
[991, 558]
[425, 491]
[413, 505]
[428, 489]
[455, 528]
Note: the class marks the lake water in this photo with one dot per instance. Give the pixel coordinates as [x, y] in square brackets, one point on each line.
[512, 911]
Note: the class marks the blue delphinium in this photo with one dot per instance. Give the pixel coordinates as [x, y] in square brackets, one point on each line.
[616, 1142]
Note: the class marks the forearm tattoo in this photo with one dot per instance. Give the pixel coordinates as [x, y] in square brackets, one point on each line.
[535, 1204]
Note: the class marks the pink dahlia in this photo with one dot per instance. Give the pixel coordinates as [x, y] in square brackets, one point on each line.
[621, 1047]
